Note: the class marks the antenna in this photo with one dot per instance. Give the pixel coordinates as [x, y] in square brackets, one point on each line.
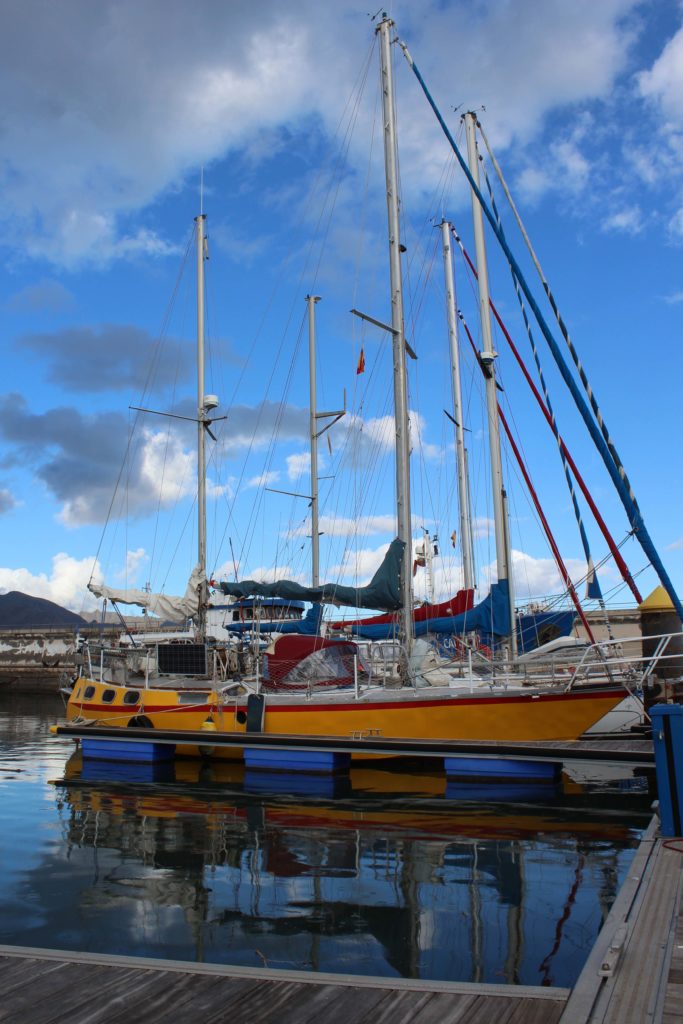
[201, 190]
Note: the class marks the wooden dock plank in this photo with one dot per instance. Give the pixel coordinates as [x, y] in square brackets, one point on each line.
[430, 1009]
[89, 990]
[64, 994]
[533, 1011]
[329, 1003]
[646, 979]
[193, 999]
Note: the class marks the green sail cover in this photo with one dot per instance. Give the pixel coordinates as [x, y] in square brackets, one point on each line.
[383, 592]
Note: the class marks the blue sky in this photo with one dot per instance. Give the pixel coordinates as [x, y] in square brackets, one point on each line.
[111, 112]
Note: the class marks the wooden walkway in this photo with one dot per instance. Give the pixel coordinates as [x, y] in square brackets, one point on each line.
[45, 987]
[634, 974]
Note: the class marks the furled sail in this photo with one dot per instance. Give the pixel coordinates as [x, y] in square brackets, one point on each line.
[382, 592]
[177, 609]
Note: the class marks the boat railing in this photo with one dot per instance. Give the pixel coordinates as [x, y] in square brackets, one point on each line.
[621, 661]
[624, 661]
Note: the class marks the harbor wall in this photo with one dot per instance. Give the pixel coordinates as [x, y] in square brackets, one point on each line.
[34, 659]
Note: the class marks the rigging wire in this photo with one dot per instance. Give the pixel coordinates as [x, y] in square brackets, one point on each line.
[130, 450]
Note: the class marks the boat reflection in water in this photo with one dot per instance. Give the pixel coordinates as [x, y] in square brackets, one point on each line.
[375, 873]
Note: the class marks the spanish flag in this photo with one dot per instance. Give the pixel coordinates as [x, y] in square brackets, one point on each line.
[361, 362]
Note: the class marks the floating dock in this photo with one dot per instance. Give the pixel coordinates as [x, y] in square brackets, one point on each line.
[635, 752]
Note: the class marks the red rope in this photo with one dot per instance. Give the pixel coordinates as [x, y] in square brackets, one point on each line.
[623, 568]
[544, 522]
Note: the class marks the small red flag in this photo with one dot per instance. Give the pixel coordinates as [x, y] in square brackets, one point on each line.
[361, 362]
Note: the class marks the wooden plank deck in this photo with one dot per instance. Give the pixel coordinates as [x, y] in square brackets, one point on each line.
[634, 973]
[52, 987]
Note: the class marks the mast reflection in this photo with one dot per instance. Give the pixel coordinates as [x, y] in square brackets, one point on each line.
[375, 873]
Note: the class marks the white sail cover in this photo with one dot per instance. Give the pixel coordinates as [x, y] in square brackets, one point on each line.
[177, 609]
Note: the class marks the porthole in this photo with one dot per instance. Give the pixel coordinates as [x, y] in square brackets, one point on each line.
[131, 697]
[241, 717]
[108, 696]
[88, 692]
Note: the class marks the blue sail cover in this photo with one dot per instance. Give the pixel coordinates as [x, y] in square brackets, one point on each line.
[540, 628]
[383, 592]
[491, 616]
[491, 620]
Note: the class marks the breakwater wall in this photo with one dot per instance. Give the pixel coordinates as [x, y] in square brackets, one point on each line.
[33, 659]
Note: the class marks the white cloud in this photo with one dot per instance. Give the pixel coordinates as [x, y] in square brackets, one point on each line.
[532, 183]
[298, 465]
[482, 527]
[674, 298]
[663, 83]
[359, 566]
[536, 577]
[365, 439]
[340, 526]
[573, 165]
[122, 129]
[134, 560]
[166, 473]
[629, 221]
[676, 224]
[565, 166]
[66, 585]
[167, 468]
[264, 479]
[676, 545]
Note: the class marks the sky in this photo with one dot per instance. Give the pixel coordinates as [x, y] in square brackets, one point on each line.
[120, 118]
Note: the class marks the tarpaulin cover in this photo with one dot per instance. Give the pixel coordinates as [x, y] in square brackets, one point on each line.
[383, 591]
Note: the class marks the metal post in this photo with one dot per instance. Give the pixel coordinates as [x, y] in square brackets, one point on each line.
[201, 442]
[488, 356]
[400, 381]
[315, 531]
[461, 459]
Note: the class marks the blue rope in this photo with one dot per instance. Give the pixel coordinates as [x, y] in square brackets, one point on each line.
[634, 516]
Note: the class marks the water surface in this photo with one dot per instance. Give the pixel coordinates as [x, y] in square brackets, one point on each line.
[380, 873]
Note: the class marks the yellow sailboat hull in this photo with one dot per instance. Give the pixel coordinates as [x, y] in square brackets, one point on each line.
[434, 714]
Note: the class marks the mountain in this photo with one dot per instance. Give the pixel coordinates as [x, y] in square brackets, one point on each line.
[17, 609]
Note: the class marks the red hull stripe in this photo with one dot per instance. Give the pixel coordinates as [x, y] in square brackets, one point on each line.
[449, 703]
[150, 709]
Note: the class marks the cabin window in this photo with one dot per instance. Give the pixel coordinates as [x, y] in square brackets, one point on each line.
[108, 696]
[132, 697]
[88, 692]
[187, 697]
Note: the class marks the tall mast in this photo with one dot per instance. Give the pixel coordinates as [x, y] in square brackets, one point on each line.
[201, 412]
[315, 532]
[460, 455]
[398, 333]
[503, 557]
